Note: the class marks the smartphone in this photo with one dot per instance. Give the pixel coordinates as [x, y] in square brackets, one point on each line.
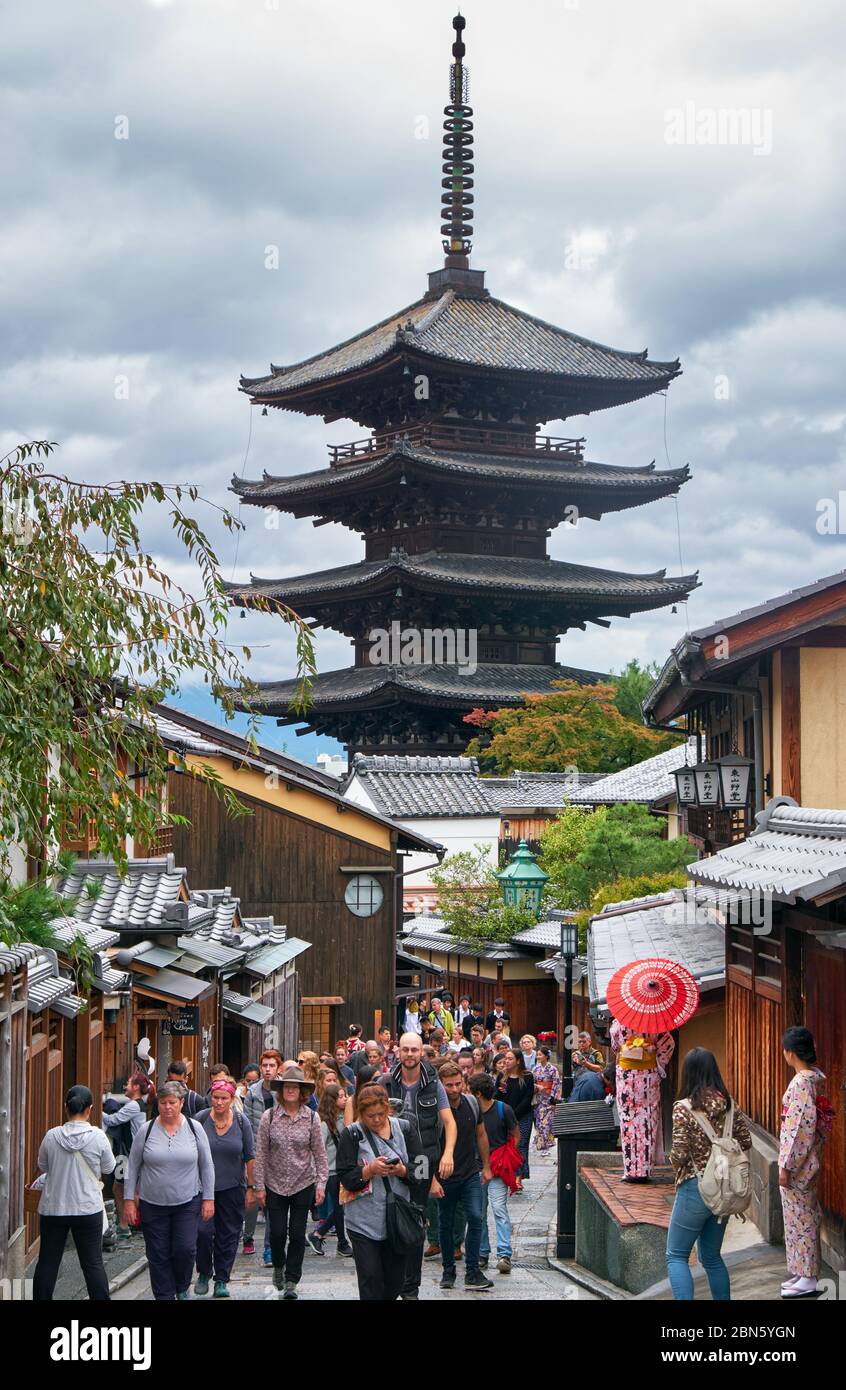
[392, 1162]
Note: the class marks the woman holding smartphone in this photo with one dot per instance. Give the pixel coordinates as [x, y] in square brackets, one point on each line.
[374, 1154]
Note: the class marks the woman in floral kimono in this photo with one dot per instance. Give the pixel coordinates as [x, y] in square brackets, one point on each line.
[642, 1060]
[547, 1093]
[805, 1122]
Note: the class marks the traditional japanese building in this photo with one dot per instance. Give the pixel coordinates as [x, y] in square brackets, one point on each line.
[455, 494]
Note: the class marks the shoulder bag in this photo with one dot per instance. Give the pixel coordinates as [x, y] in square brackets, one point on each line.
[405, 1221]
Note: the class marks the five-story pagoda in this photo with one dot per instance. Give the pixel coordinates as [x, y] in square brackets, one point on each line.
[455, 494]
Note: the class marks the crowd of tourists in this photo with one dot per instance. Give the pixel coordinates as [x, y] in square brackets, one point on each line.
[401, 1151]
[396, 1148]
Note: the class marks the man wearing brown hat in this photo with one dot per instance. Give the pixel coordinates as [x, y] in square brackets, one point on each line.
[291, 1173]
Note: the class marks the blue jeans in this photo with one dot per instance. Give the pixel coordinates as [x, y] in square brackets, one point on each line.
[496, 1193]
[693, 1224]
[469, 1192]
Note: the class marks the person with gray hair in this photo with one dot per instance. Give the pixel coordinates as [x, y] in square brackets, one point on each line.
[170, 1180]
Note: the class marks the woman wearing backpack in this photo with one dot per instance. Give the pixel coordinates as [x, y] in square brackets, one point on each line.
[692, 1222]
[806, 1120]
[170, 1181]
[233, 1152]
[122, 1123]
[73, 1158]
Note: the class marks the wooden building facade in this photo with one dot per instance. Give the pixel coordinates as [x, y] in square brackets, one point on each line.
[303, 855]
[786, 965]
[13, 1126]
[767, 682]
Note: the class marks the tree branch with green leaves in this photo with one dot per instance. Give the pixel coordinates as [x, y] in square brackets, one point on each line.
[96, 635]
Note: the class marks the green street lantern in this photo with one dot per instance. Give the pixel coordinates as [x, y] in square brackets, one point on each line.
[522, 880]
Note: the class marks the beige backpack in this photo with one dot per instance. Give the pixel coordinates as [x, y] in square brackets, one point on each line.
[725, 1184]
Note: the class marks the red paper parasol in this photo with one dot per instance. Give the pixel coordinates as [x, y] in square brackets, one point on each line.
[652, 996]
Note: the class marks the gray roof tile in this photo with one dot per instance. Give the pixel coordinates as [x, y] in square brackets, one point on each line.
[472, 331]
[409, 786]
[503, 682]
[429, 931]
[535, 471]
[138, 901]
[795, 853]
[270, 958]
[544, 934]
[547, 790]
[686, 928]
[587, 584]
[14, 957]
[646, 781]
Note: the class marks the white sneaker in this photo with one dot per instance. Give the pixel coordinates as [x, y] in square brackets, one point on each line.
[788, 1283]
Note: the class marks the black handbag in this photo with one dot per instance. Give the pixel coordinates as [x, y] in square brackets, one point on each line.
[405, 1221]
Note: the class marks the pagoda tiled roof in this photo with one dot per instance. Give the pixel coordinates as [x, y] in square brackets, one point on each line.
[501, 683]
[540, 471]
[474, 331]
[479, 573]
[410, 785]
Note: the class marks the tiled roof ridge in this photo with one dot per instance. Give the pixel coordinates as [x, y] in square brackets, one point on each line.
[400, 561]
[276, 370]
[394, 763]
[787, 817]
[429, 454]
[438, 308]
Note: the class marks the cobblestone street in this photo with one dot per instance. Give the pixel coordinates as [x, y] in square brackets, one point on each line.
[331, 1277]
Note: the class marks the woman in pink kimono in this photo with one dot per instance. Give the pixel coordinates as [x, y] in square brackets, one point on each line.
[546, 1096]
[805, 1122]
[642, 1060]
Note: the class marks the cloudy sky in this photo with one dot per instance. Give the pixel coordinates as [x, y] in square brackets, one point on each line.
[664, 174]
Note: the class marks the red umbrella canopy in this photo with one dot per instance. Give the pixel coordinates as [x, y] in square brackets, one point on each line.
[652, 996]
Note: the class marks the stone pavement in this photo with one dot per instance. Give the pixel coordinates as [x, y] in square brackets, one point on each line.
[756, 1274]
[332, 1277]
[119, 1262]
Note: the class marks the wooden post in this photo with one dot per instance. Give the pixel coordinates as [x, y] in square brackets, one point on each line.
[791, 724]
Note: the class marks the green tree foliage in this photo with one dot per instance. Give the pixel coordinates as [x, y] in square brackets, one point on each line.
[624, 890]
[625, 842]
[616, 842]
[561, 843]
[632, 686]
[95, 634]
[578, 727]
[470, 900]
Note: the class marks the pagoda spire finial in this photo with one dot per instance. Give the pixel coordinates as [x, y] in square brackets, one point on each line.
[457, 181]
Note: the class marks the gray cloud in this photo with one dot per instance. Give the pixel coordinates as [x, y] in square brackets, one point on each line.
[252, 127]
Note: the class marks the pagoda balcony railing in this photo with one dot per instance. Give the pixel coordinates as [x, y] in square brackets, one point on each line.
[462, 438]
